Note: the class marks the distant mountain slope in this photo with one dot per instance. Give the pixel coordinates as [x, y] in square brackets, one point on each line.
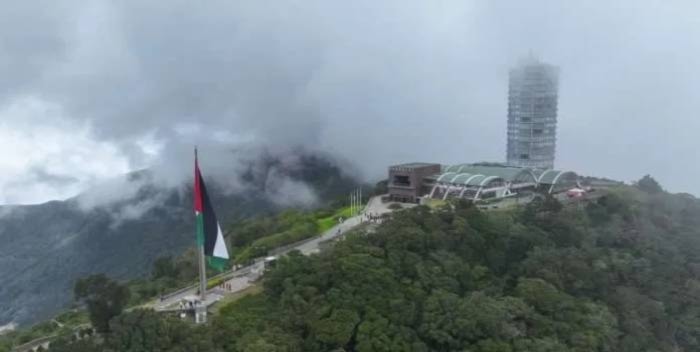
[44, 248]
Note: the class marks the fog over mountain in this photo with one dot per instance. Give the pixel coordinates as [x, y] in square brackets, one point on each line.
[122, 225]
[95, 89]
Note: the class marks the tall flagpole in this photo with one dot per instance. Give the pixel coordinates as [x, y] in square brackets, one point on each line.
[361, 202]
[355, 193]
[202, 266]
[202, 275]
[354, 201]
[352, 204]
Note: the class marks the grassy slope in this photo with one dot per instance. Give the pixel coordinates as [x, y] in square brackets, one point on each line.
[326, 223]
[301, 228]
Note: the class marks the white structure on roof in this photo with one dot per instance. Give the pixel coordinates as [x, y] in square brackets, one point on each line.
[482, 181]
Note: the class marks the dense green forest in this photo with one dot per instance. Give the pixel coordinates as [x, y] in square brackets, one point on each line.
[254, 237]
[621, 273]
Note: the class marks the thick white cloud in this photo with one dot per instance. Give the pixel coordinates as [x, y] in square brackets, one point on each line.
[373, 82]
[46, 156]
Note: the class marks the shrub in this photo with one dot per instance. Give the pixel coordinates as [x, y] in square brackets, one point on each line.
[395, 206]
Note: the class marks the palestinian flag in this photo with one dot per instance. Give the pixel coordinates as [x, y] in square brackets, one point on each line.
[209, 232]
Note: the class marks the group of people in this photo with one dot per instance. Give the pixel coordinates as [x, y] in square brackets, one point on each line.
[226, 286]
[188, 304]
[372, 217]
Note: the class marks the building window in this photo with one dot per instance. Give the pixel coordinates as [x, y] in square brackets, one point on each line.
[400, 180]
[525, 156]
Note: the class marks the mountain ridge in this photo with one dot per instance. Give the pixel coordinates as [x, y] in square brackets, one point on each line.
[47, 246]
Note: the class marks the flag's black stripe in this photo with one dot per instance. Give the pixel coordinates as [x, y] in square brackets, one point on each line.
[210, 223]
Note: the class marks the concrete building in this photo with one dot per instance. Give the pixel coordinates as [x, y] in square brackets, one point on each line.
[415, 181]
[532, 114]
[406, 181]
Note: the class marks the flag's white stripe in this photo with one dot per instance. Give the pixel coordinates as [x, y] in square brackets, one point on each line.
[220, 249]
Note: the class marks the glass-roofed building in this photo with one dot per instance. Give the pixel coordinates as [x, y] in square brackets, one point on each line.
[415, 181]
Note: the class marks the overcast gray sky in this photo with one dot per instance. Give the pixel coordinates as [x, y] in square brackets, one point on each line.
[92, 89]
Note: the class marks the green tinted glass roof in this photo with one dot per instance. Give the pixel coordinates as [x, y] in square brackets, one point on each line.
[475, 174]
[508, 173]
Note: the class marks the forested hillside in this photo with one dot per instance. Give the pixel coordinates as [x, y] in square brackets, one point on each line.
[619, 274]
[46, 247]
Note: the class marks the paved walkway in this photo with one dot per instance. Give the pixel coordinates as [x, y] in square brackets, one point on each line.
[242, 278]
[312, 246]
[375, 206]
[172, 301]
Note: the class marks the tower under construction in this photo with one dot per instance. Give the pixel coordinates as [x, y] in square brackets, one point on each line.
[532, 114]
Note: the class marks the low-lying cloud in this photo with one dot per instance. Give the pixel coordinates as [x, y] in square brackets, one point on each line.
[269, 174]
[136, 210]
[286, 192]
[370, 82]
[116, 190]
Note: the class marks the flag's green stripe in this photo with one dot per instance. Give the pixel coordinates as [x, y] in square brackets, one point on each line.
[200, 229]
[217, 263]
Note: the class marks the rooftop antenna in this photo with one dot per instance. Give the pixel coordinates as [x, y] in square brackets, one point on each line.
[531, 57]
